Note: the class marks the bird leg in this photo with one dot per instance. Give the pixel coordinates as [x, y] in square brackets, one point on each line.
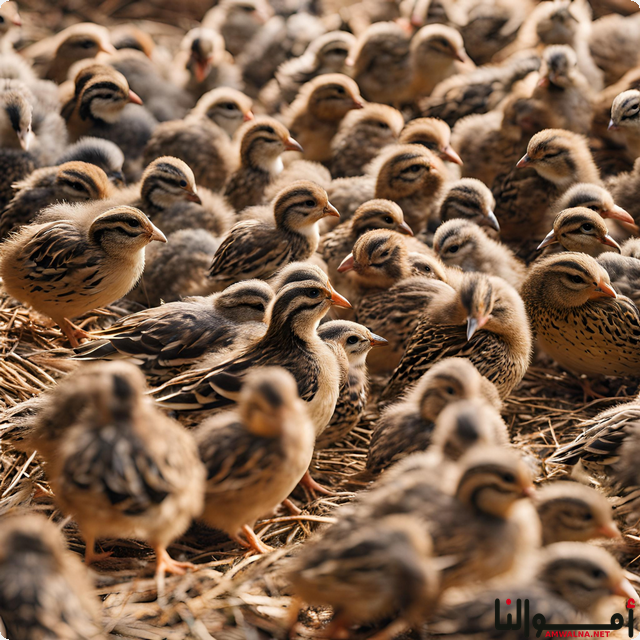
[290, 507]
[391, 631]
[252, 541]
[90, 555]
[588, 391]
[166, 564]
[73, 332]
[314, 487]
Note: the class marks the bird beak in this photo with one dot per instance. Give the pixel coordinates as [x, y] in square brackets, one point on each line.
[544, 81]
[525, 161]
[157, 235]
[618, 213]
[624, 589]
[549, 239]
[493, 221]
[347, 264]
[605, 290]
[192, 196]
[610, 242]
[292, 145]
[337, 300]
[612, 126]
[248, 116]
[202, 69]
[134, 97]
[107, 47]
[25, 138]
[330, 210]
[378, 341]
[461, 55]
[529, 491]
[474, 324]
[17, 21]
[609, 530]
[449, 154]
[349, 62]
[357, 104]
[403, 227]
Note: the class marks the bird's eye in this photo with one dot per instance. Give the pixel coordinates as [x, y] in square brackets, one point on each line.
[450, 391]
[388, 219]
[1, 20]
[588, 516]
[383, 125]
[229, 105]
[594, 207]
[453, 249]
[314, 293]
[87, 44]
[508, 478]
[414, 168]
[77, 186]
[183, 183]
[598, 574]
[340, 90]
[587, 226]
[310, 203]
[134, 223]
[553, 154]
[385, 253]
[352, 339]
[577, 279]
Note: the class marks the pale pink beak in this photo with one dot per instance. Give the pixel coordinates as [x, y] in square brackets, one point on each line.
[292, 145]
[618, 213]
[347, 264]
[449, 154]
[107, 47]
[135, 98]
[612, 126]
[248, 116]
[609, 530]
[525, 161]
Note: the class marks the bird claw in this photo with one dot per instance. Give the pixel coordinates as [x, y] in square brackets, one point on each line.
[166, 564]
[74, 333]
[252, 541]
[314, 487]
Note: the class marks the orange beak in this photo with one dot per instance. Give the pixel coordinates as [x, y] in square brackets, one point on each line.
[292, 145]
[377, 341]
[248, 116]
[347, 264]
[618, 213]
[337, 300]
[624, 589]
[192, 196]
[449, 154]
[403, 227]
[525, 161]
[604, 290]
[609, 530]
[610, 242]
[107, 47]
[134, 97]
[549, 239]
[330, 210]
[202, 69]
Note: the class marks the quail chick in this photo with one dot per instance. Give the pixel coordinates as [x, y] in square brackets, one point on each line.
[582, 230]
[381, 64]
[624, 188]
[45, 590]
[202, 139]
[470, 199]
[556, 159]
[484, 320]
[298, 272]
[353, 342]
[409, 175]
[374, 214]
[116, 464]
[407, 426]
[255, 455]
[461, 243]
[567, 292]
[104, 154]
[380, 570]
[261, 144]
[257, 249]
[166, 340]
[362, 134]
[325, 54]
[291, 342]
[565, 89]
[571, 512]
[53, 57]
[238, 21]
[316, 113]
[83, 259]
[625, 118]
[432, 133]
[70, 182]
[571, 581]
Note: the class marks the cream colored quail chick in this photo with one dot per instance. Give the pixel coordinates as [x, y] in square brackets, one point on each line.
[291, 342]
[432, 133]
[104, 154]
[325, 54]
[255, 455]
[462, 243]
[53, 57]
[202, 139]
[484, 320]
[409, 175]
[470, 199]
[44, 589]
[380, 570]
[571, 512]
[257, 249]
[167, 340]
[116, 464]
[407, 426]
[362, 134]
[353, 342]
[80, 258]
[625, 118]
[261, 144]
[579, 319]
[374, 214]
[70, 182]
[582, 230]
[316, 113]
[571, 583]
[298, 272]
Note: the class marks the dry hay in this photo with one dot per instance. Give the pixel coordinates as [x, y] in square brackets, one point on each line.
[235, 594]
